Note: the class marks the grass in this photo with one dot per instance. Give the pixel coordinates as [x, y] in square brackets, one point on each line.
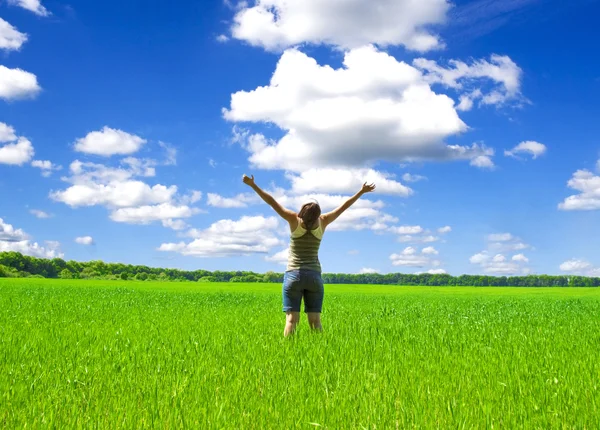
[100, 354]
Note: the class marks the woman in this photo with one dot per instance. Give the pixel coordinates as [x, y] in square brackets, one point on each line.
[302, 277]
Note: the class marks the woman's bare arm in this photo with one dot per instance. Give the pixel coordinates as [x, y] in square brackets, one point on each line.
[286, 214]
[330, 217]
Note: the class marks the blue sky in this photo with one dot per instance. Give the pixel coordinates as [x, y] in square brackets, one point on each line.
[125, 128]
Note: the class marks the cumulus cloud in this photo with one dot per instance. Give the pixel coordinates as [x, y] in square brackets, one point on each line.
[17, 84]
[34, 6]
[407, 177]
[11, 39]
[16, 150]
[580, 267]
[109, 141]
[10, 234]
[499, 264]
[47, 167]
[39, 214]
[96, 184]
[503, 74]
[410, 257]
[437, 272]
[407, 229]
[483, 162]
[444, 230]
[430, 250]
[228, 238]
[494, 259]
[7, 133]
[521, 258]
[239, 201]
[374, 108]
[535, 149]
[368, 271]
[13, 239]
[17, 153]
[588, 198]
[129, 199]
[149, 214]
[280, 258]
[278, 24]
[350, 181]
[85, 240]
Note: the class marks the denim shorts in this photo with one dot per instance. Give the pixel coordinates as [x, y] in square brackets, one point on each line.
[303, 283]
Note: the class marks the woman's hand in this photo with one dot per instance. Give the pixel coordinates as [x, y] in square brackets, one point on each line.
[367, 188]
[248, 181]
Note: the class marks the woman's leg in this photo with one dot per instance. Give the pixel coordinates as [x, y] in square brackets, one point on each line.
[313, 301]
[314, 320]
[292, 300]
[291, 321]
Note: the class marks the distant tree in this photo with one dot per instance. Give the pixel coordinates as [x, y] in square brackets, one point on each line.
[124, 276]
[66, 274]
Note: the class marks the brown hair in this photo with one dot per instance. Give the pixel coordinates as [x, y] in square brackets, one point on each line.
[309, 214]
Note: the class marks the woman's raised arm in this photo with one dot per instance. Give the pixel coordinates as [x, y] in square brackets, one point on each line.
[286, 214]
[330, 217]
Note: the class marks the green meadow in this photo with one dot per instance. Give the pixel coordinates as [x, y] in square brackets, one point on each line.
[108, 354]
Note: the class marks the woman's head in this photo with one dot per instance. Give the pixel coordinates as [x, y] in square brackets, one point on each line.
[310, 213]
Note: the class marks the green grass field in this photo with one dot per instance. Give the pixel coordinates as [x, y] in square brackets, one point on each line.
[100, 354]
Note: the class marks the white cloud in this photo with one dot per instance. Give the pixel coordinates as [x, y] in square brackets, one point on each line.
[12, 239]
[84, 240]
[109, 142]
[580, 267]
[437, 272]
[170, 154]
[501, 237]
[17, 84]
[368, 271]
[499, 258]
[40, 214]
[7, 133]
[227, 238]
[193, 197]
[494, 261]
[444, 230]
[426, 238]
[280, 258]
[430, 250]
[499, 265]
[11, 39]
[148, 214]
[410, 258]
[10, 234]
[500, 71]
[374, 108]
[535, 149]
[47, 167]
[588, 185]
[221, 38]
[34, 6]
[521, 258]
[407, 177]
[97, 184]
[407, 229]
[357, 218]
[278, 24]
[239, 201]
[483, 162]
[175, 224]
[329, 180]
[17, 153]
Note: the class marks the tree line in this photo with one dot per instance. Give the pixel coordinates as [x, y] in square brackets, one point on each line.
[17, 265]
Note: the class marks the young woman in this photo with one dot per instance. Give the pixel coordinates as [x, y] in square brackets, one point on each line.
[302, 277]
